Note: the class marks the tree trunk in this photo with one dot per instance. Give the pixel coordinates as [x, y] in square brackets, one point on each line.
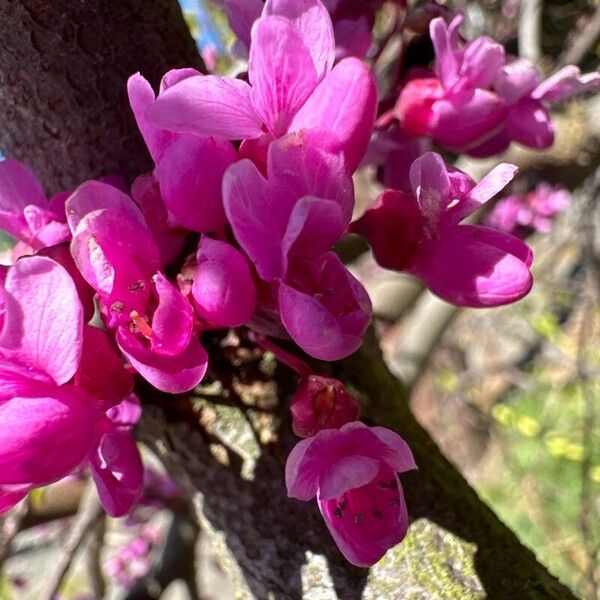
[63, 68]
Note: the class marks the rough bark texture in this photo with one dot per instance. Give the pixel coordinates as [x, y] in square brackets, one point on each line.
[63, 67]
[273, 547]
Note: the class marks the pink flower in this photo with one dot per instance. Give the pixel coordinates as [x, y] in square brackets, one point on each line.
[292, 87]
[118, 256]
[519, 214]
[55, 411]
[189, 169]
[321, 403]
[352, 471]
[454, 106]
[477, 101]
[528, 121]
[420, 233]
[223, 291]
[286, 224]
[25, 213]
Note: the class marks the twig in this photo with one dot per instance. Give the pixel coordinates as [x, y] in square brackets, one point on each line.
[420, 334]
[530, 30]
[96, 541]
[582, 42]
[11, 526]
[88, 514]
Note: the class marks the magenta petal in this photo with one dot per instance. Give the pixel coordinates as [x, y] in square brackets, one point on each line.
[566, 83]
[10, 499]
[281, 72]
[19, 380]
[44, 437]
[141, 97]
[344, 103]
[445, 43]
[313, 22]
[172, 374]
[172, 321]
[529, 123]
[495, 181]
[61, 254]
[19, 187]
[170, 78]
[117, 470]
[468, 267]
[127, 412]
[223, 290]
[321, 403]
[207, 105]
[393, 226]
[301, 480]
[251, 212]
[145, 192]
[482, 60]
[400, 458]
[324, 308]
[95, 195]
[315, 226]
[110, 384]
[500, 239]
[307, 164]
[347, 473]
[367, 521]
[190, 174]
[468, 118]
[43, 320]
[431, 186]
[516, 80]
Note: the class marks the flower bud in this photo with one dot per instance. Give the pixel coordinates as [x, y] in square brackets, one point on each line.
[321, 403]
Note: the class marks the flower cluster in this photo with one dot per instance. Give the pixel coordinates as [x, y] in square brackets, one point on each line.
[478, 100]
[520, 214]
[235, 226]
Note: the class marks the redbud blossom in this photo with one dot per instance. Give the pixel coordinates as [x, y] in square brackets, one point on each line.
[352, 472]
[321, 403]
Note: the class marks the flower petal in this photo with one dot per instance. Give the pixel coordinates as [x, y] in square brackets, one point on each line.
[117, 471]
[566, 83]
[190, 175]
[44, 437]
[313, 22]
[468, 267]
[250, 212]
[530, 124]
[516, 80]
[431, 186]
[207, 105]
[495, 181]
[172, 374]
[401, 458]
[344, 103]
[281, 72]
[141, 97]
[324, 308]
[223, 290]
[43, 322]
